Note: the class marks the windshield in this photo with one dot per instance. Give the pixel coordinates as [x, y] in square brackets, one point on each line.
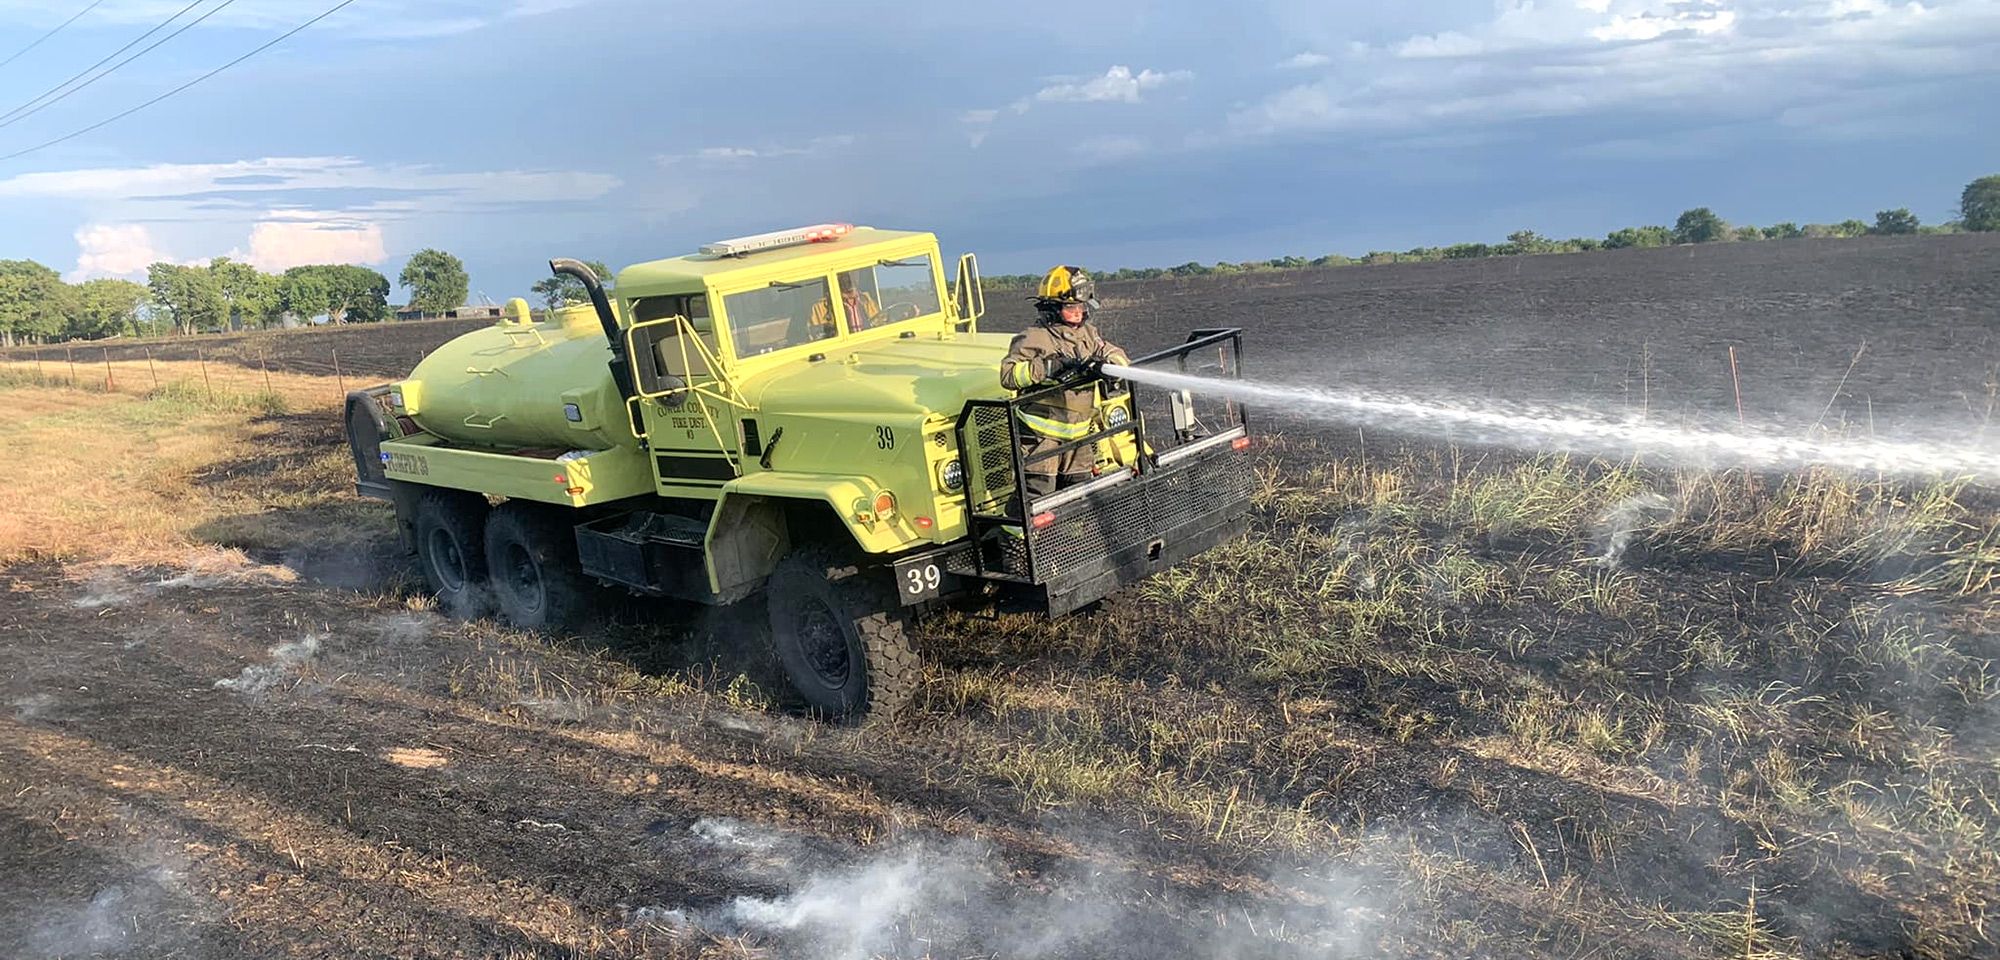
[907, 288]
[778, 316]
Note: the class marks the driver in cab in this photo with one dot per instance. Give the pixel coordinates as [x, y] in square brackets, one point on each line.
[862, 310]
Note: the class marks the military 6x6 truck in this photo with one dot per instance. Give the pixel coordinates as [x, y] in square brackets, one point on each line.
[800, 416]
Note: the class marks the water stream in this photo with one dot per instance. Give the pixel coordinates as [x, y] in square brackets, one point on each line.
[1547, 428]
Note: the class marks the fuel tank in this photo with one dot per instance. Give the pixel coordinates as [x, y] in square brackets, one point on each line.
[522, 384]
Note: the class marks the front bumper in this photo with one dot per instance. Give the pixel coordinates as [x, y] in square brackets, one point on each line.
[1087, 541]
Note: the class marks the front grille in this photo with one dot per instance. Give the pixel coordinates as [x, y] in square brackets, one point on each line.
[1133, 514]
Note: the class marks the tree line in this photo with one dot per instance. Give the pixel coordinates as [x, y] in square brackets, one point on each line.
[38, 306]
[1979, 211]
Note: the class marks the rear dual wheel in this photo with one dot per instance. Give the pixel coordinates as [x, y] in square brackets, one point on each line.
[450, 528]
[518, 560]
[531, 556]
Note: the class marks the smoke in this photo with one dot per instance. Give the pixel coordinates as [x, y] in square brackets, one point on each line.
[32, 706]
[257, 679]
[930, 897]
[124, 917]
[1626, 519]
[1532, 426]
[114, 585]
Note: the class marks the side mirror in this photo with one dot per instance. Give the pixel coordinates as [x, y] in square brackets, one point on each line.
[966, 292]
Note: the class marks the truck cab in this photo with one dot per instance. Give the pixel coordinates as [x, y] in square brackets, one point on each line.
[810, 418]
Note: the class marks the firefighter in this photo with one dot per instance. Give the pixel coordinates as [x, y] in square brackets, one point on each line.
[862, 311]
[1062, 347]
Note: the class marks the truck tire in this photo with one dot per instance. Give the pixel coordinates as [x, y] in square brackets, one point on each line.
[537, 582]
[450, 532]
[841, 635]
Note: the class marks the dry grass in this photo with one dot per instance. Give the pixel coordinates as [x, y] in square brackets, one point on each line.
[105, 474]
[1550, 701]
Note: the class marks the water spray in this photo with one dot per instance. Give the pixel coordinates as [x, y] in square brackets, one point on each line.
[1536, 427]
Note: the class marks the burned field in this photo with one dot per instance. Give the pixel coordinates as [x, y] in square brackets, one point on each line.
[1447, 700]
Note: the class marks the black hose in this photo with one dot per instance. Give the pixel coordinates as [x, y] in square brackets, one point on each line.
[621, 370]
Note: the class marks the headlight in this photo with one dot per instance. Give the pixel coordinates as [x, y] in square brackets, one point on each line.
[1116, 417]
[953, 475]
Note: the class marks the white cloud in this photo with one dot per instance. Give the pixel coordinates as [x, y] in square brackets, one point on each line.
[113, 250]
[1723, 60]
[1110, 149]
[290, 209]
[287, 239]
[815, 146]
[1117, 84]
[1304, 61]
[257, 184]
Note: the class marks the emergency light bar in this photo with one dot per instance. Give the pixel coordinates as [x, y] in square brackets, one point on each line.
[819, 233]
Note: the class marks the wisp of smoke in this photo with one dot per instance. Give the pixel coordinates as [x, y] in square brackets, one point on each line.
[1625, 519]
[1548, 428]
[259, 678]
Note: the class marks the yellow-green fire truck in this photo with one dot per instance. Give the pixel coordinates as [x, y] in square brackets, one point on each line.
[807, 418]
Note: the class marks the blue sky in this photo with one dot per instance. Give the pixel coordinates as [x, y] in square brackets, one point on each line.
[1110, 133]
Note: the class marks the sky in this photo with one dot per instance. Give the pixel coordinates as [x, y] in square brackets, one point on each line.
[1111, 133]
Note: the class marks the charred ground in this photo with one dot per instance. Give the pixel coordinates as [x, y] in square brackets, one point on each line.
[1443, 702]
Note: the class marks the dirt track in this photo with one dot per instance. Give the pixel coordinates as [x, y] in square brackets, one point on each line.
[1418, 714]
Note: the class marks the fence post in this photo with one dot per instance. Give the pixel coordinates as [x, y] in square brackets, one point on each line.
[152, 369]
[205, 386]
[342, 380]
[110, 382]
[70, 353]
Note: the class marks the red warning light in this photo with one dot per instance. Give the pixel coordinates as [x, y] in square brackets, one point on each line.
[1240, 443]
[1044, 518]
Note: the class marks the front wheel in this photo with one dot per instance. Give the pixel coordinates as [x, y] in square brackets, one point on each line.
[842, 636]
[531, 558]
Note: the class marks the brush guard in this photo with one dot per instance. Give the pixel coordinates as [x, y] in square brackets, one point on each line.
[1187, 489]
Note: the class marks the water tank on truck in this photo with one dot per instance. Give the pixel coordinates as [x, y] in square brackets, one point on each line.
[522, 384]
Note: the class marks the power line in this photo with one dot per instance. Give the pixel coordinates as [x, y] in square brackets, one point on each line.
[336, 8]
[14, 118]
[107, 59]
[51, 33]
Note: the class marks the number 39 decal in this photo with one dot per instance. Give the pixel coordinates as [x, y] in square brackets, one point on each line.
[918, 581]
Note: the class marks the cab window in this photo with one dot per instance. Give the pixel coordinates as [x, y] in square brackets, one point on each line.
[784, 314]
[666, 357]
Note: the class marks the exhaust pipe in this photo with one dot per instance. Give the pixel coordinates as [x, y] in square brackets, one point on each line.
[621, 368]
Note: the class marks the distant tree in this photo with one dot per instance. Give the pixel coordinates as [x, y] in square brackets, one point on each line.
[106, 307]
[1583, 244]
[190, 296]
[436, 280]
[1783, 231]
[34, 302]
[1700, 225]
[565, 290]
[1332, 260]
[1467, 251]
[1897, 222]
[248, 294]
[1528, 242]
[1749, 233]
[1850, 228]
[1188, 269]
[1979, 205]
[341, 292]
[1651, 236]
[1380, 256]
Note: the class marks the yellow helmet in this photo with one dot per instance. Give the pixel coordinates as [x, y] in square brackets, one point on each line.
[1067, 285]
